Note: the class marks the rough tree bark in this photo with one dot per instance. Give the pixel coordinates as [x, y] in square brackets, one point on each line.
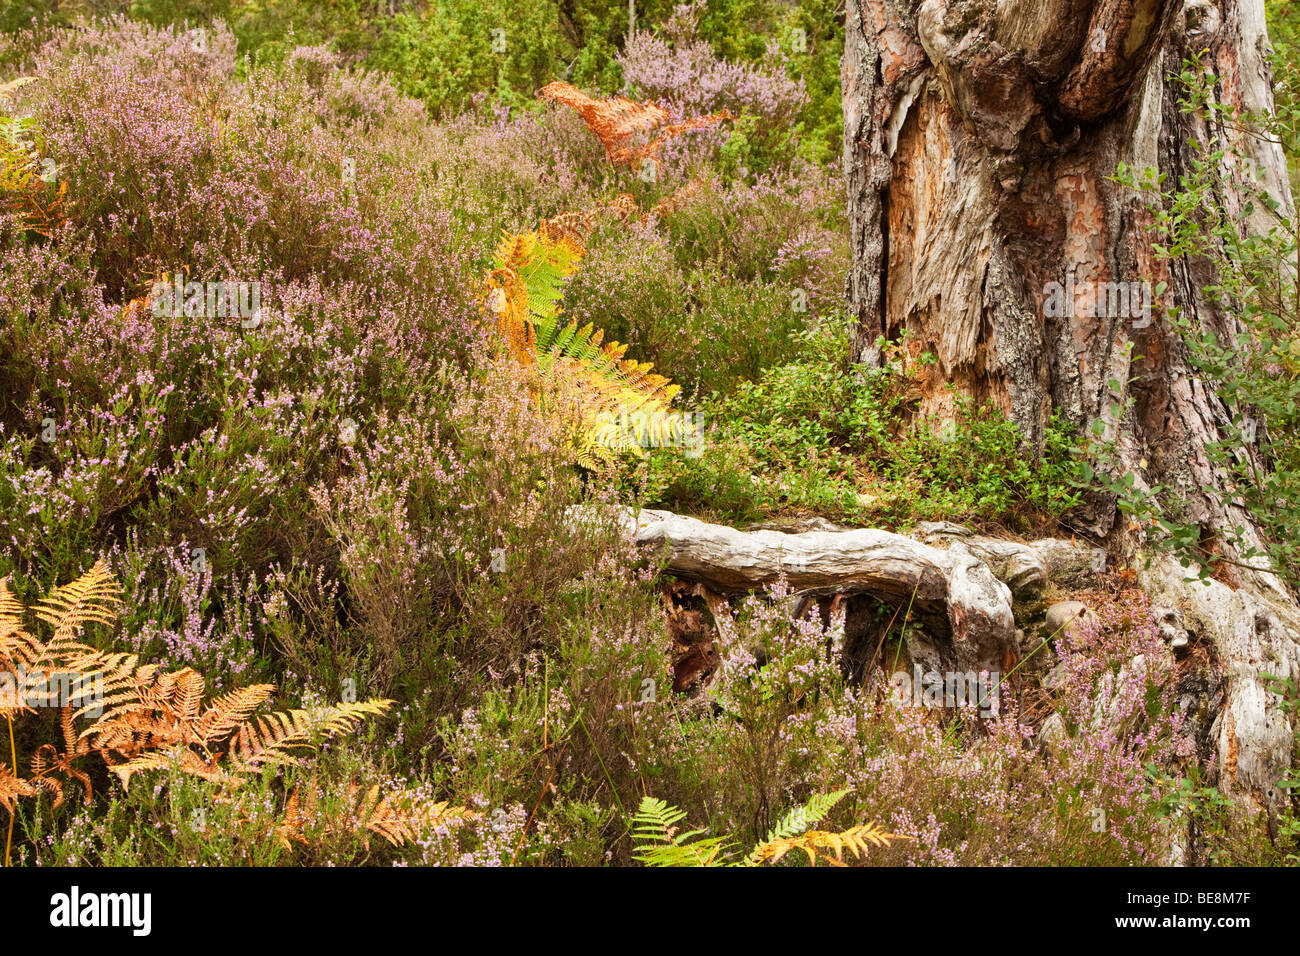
[980, 138]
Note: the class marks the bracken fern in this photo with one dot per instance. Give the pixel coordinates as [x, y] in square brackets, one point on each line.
[578, 377]
[658, 842]
[24, 192]
[139, 718]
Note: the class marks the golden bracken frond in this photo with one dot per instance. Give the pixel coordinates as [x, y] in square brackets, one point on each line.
[273, 737]
[92, 597]
[399, 817]
[821, 844]
[230, 710]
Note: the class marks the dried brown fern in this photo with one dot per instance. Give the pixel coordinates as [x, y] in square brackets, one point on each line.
[139, 718]
[166, 730]
[618, 122]
[11, 788]
[398, 817]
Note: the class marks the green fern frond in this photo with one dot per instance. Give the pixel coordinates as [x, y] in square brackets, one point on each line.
[658, 842]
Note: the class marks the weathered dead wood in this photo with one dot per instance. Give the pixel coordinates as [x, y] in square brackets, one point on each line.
[955, 592]
[1255, 636]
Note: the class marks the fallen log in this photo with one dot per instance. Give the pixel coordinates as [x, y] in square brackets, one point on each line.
[952, 590]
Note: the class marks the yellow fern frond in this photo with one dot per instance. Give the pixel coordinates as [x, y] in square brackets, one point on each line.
[577, 378]
[92, 597]
[24, 191]
[273, 737]
[821, 844]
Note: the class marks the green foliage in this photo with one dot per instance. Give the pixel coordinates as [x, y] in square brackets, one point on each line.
[1284, 34]
[453, 50]
[1255, 371]
[704, 327]
[1288, 824]
[820, 436]
[660, 842]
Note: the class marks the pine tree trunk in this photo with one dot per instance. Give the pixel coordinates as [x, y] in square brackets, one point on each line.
[980, 141]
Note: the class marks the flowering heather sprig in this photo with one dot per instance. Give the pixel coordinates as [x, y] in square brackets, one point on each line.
[687, 78]
[682, 74]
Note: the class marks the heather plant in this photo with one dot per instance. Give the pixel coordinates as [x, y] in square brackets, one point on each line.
[713, 287]
[268, 179]
[680, 71]
[784, 229]
[769, 683]
[705, 330]
[783, 721]
[970, 790]
[508, 170]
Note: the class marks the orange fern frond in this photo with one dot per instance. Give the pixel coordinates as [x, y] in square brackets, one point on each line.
[618, 121]
[140, 718]
[13, 787]
[614, 121]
